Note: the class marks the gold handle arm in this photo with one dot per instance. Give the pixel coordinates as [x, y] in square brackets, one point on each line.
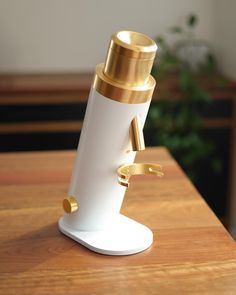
[126, 171]
[136, 134]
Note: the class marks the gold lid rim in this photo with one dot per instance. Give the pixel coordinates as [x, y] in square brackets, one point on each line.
[122, 92]
[144, 51]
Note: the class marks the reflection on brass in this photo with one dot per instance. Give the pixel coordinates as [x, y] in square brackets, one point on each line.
[126, 171]
[130, 58]
[70, 205]
[120, 92]
[136, 135]
[125, 76]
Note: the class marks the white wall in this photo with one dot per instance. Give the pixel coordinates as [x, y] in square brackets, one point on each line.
[225, 41]
[225, 36]
[72, 35]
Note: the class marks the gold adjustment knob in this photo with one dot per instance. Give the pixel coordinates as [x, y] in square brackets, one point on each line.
[70, 205]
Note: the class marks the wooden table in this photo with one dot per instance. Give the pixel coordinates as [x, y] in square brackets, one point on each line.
[192, 252]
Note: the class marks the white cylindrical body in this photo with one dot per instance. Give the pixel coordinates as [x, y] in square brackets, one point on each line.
[103, 147]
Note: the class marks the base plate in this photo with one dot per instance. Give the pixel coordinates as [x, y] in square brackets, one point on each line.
[125, 237]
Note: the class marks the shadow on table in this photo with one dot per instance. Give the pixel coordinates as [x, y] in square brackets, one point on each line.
[34, 248]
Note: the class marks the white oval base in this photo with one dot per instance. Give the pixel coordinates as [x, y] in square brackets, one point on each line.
[125, 237]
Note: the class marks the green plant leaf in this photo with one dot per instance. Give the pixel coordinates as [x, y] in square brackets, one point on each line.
[154, 71]
[192, 20]
[176, 29]
[177, 124]
[216, 165]
[160, 40]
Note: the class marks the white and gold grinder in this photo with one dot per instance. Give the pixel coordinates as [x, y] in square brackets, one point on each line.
[111, 135]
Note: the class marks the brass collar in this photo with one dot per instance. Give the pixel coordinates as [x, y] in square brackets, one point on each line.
[125, 76]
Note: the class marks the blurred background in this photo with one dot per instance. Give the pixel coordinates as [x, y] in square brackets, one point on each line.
[48, 51]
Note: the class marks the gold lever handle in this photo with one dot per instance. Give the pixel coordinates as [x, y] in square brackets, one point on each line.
[136, 134]
[126, 171]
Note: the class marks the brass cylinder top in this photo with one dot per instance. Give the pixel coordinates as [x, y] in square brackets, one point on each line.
[125, 76]
[130, 58]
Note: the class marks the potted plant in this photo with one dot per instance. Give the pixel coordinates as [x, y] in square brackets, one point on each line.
[177, 124]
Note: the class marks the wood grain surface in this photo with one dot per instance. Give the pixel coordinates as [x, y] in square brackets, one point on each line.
[192, 252]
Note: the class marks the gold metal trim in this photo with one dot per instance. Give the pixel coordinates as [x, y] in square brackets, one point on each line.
[126, 171]
[122, 93]
[136, 135]
[133, 44]
[130, 58]
[70, 205]
[125, 75]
